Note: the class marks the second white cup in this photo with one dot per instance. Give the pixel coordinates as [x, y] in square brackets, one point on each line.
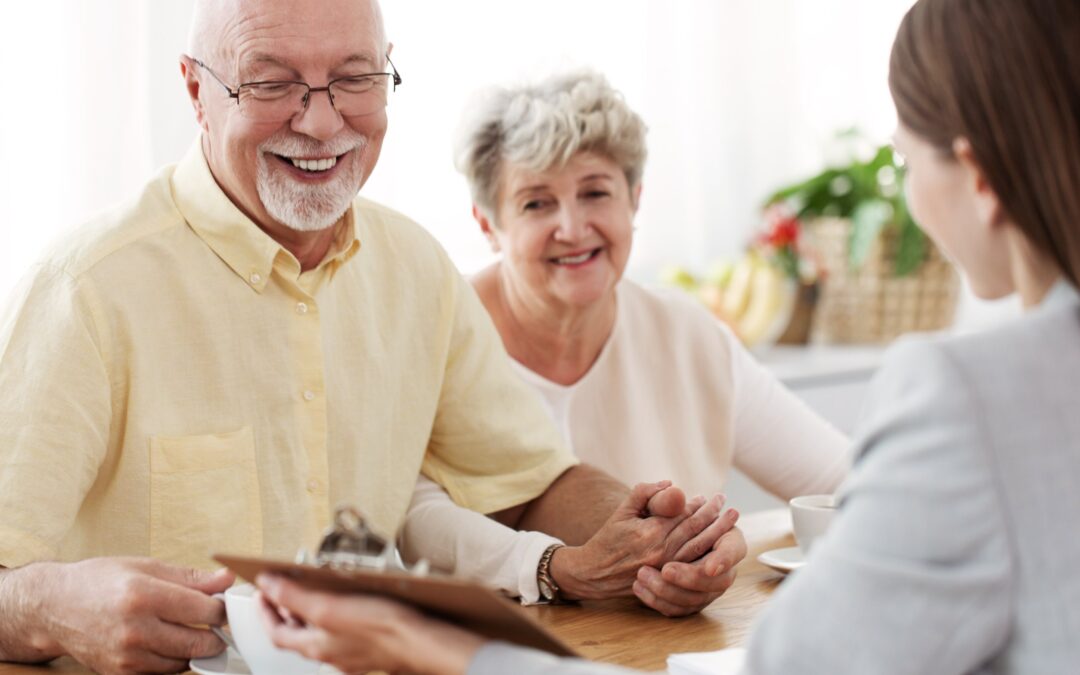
[810, 517]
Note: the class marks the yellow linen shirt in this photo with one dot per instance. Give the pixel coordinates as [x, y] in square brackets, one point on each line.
[172, 385]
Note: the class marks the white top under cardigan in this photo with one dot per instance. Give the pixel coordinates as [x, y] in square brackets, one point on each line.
[672, 395]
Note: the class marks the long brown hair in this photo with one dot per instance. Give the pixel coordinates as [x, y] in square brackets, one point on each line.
[1004, 74]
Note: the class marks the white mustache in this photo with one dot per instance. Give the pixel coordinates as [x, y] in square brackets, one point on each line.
[295, 145]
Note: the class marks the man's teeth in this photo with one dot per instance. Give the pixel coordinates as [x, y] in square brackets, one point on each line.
[314, 164]
[574, 260]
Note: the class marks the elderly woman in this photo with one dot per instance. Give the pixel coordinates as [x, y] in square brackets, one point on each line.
[954, 550]
[642, 384]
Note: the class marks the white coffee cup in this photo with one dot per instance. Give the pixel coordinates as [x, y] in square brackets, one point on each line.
[253, 642]
[810, 517]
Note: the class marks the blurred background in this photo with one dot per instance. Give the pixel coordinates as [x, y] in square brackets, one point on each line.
[740, 97]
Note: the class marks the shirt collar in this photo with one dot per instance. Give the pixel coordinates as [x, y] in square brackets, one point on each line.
[250, 252]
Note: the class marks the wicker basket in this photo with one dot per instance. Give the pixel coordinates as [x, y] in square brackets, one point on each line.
[871, 304]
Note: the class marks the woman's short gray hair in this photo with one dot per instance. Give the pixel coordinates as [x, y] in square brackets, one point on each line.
[542, 126]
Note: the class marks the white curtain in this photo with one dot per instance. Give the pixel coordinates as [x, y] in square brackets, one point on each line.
[93, 104]
[739, 95]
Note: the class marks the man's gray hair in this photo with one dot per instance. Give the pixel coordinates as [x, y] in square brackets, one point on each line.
[542, 126]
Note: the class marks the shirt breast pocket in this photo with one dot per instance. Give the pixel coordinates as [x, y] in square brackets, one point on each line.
[204, 497]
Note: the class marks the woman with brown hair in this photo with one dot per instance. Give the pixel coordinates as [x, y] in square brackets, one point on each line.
[954, 550]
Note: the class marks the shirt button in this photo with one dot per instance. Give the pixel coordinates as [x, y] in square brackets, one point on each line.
[312, 485]
[309, 395]
[301, 308]
[255, 278]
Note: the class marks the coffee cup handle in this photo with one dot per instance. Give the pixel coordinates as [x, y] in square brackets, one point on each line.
[218, 631]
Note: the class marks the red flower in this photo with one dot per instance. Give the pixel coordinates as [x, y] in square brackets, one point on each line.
[782, 228]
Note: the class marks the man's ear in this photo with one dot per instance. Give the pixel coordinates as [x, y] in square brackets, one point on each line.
[191, 83]
[486, 227]
[637, 197]
[987, 205]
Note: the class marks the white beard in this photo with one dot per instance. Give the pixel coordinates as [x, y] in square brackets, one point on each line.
[302, 207]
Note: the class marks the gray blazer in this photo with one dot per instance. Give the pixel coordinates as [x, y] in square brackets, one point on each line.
[956, 548]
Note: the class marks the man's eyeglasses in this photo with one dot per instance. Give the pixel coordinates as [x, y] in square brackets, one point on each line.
[280, 100]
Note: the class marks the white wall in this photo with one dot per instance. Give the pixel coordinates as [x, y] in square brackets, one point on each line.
[740, 96]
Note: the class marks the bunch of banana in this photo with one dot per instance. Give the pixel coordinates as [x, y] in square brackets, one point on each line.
[752, 295]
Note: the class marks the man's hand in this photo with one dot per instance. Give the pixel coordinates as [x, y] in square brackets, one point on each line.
[607, 564]
[117, 615]
[681, 588]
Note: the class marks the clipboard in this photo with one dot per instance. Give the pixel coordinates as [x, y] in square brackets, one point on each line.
[464, 603]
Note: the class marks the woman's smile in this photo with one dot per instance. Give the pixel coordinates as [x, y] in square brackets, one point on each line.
[578, 259]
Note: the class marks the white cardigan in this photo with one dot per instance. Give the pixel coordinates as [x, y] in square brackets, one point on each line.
[672, 395]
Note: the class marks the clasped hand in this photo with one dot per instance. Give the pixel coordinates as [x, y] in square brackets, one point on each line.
[676, 556]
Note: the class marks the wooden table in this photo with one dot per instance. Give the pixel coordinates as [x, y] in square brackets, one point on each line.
[627, 633]
[623, 631]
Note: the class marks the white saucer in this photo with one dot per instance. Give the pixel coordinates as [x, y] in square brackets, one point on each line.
[783, 559]
[228, 662]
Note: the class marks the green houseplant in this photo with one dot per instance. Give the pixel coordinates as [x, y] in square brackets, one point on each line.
[870, 195]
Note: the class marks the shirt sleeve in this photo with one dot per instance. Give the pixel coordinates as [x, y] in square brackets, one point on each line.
[493, 446]
[780, 443]
[471, 545]
[914, 573]
[54, 412]
[498, 658]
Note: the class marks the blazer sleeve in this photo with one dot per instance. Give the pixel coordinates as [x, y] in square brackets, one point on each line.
[914, 574]
[499, 658]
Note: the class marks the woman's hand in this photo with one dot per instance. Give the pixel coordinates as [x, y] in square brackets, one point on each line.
[359, 633]
[653, 526]
[681, 588]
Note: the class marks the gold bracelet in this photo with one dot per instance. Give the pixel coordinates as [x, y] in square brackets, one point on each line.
[549, 590]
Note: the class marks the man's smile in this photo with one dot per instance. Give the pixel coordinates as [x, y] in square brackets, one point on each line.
[310, 167]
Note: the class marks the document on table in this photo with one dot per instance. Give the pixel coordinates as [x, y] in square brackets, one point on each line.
[723, 662]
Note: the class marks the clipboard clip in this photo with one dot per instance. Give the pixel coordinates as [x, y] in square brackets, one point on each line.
[349, 544]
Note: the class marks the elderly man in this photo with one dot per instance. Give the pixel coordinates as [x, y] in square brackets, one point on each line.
[217, 363]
